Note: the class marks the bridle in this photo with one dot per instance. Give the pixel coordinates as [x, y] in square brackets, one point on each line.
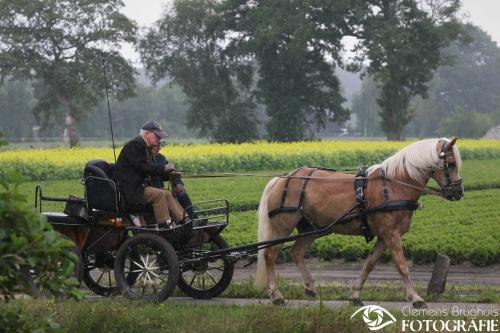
[453, 189]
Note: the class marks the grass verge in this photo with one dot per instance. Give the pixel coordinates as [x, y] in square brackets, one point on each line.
[119, 315]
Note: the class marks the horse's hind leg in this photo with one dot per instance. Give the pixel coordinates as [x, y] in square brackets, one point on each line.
[371, 261]
[270, 255]
[297, 253]
[399, 260]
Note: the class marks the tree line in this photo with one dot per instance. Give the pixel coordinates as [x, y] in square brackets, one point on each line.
[462, 98]
[234, 67]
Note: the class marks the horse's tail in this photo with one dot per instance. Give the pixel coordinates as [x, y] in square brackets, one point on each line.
[265, 232]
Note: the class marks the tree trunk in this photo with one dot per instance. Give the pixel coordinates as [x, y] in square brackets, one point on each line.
[74, 139]
[69, 121]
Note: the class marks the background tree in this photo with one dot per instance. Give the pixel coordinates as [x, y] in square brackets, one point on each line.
[296, 45]
[470, 84]
[403, 40]
[165, 103]
[62, 44]
[473, 78]
[187, 45]
[366, 109]
[16, 105]
[3, 142]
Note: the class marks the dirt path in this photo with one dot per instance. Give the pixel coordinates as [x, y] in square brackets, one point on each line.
[344, 272]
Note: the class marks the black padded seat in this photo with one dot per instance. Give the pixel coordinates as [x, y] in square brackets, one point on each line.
[101, 192]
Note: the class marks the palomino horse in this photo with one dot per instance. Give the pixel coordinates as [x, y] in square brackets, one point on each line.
[320, 196]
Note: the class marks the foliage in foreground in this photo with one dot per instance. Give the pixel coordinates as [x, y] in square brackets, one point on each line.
[32, 257]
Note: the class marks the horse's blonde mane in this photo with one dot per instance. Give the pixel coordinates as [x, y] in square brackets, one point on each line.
[417, 160]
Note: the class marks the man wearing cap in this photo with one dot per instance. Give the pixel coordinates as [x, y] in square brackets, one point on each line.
[134, 169]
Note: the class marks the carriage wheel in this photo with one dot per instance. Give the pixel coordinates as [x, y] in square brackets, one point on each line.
[207, 279]
[154, 261]
[98, 272]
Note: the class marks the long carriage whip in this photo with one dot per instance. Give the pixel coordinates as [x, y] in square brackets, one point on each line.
[107, 91]
[109, 108]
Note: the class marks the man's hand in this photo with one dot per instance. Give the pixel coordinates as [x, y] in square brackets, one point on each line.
[169, 167]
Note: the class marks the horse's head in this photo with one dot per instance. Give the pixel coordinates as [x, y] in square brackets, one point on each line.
[446, 173]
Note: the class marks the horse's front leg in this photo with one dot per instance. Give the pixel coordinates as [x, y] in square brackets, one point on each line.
[399, 260]
[372, 259]
[297, 253]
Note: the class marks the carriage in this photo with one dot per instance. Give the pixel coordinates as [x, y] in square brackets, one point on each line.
[120, 253]
[115, 243]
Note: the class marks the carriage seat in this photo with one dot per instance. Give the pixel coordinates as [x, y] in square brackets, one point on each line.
[102, 192]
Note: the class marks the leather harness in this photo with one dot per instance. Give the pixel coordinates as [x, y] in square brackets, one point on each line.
[360, 210]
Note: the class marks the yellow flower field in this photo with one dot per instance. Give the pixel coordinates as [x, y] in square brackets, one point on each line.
[61, 156]
[60, 163]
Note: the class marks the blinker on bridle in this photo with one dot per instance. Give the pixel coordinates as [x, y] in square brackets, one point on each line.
[451, 188]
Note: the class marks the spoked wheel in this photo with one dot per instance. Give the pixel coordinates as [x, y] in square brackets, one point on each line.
[98, 272]
[154, 262]
[207, 279]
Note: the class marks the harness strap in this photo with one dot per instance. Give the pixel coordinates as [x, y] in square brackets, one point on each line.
[285, 190]
[361, 204]
[387, 206]
[282, 208]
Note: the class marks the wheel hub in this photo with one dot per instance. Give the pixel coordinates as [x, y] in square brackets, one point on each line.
[148, 269]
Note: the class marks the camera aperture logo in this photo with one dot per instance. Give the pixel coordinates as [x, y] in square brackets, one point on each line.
[373, 316]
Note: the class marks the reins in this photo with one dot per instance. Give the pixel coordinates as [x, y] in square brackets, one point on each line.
[423, 189]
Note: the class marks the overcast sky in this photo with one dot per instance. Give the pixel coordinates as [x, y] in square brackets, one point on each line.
[483, 13]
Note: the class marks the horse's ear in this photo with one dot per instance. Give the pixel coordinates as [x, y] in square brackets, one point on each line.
[452, 142]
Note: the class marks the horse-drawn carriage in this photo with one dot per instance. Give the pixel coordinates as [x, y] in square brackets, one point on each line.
[119, 252]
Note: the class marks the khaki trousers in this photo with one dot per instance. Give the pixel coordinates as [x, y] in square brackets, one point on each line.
[164, 204]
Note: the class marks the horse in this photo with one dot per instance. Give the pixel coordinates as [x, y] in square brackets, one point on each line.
[315, 197]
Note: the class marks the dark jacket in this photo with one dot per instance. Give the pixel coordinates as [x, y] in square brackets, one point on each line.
[133, 168]
[157, 181]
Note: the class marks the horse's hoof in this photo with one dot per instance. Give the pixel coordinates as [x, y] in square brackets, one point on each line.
[310, 293]
[356, 302]
[419, 305]
[279, 301]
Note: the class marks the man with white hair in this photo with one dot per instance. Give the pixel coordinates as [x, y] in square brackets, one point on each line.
[134, 169]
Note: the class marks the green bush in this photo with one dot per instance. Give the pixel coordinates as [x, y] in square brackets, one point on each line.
[32, 257]
[466, 124]
[483, 256]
